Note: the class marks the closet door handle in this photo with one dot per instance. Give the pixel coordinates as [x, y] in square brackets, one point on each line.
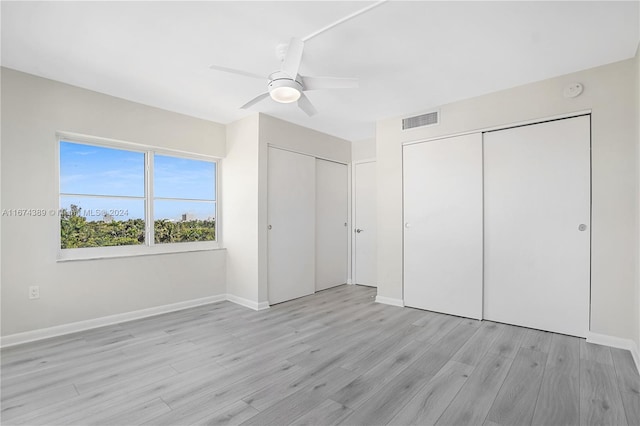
[358, 230]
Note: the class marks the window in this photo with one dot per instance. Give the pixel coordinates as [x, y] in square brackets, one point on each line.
[102, 196]
[148, 200]
[184, 199]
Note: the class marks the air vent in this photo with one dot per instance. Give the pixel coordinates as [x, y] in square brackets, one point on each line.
[428, 119]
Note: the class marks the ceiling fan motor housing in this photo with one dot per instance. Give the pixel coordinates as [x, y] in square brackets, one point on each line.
[284, 89]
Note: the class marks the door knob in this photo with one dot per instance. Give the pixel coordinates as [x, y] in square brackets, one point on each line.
[358, 230]
[407, 225]
[582, 227]
[269, 227]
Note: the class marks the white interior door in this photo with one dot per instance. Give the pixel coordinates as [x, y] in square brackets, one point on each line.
[365, 224]
[537, 226]
[332, 233]
[443, 225]
[291, 211]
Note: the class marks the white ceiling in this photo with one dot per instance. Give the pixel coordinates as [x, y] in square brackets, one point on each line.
[409, 56]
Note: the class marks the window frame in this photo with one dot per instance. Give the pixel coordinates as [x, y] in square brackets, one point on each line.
[149, 247]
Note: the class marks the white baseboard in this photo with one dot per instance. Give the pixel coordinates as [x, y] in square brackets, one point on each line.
[616, 342]
[349, 281]
[74, 327]
[262, 306]
[256, 306]
[389, 301]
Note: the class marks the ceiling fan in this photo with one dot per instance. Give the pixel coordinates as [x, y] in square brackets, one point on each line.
[286, 85]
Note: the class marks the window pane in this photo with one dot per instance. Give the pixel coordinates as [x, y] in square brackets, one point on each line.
[100, 222]
[181, 221]
[175, 177]
[95, 170]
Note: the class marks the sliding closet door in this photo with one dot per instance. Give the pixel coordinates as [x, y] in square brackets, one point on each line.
[443, 225]
[537, 226]
[332, 234]
[291, 212]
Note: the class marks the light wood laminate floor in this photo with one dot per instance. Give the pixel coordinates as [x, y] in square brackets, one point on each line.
[332, 358]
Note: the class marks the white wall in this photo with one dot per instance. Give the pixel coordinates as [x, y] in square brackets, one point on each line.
[240, 208]
[609, 94]
[637, 92]
[283, 134]
[363, 150]
[245, 192]
[1, 203]
[33, 109]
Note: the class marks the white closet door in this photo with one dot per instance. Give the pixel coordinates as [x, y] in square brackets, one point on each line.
[443, 225]
[365, 224]
[291, 211]
[537, 226]
[332, 198]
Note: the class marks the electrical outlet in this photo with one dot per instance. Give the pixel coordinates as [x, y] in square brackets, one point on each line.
[34, 292]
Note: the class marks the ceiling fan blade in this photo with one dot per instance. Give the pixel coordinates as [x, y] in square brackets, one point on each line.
[305, 104]
[292, 59]
[315, 83]
[254, 101]
[239, 72]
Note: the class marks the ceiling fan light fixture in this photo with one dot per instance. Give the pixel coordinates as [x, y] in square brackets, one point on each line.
[285, 91]
[285, 95]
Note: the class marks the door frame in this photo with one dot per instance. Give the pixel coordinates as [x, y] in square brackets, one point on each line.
[352, 279]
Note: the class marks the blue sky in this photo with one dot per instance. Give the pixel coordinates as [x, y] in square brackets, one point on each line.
[94, 170]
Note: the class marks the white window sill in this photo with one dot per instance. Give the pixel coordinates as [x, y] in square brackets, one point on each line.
[94, 253]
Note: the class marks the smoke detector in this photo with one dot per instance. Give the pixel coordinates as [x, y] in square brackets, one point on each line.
[573, 90]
